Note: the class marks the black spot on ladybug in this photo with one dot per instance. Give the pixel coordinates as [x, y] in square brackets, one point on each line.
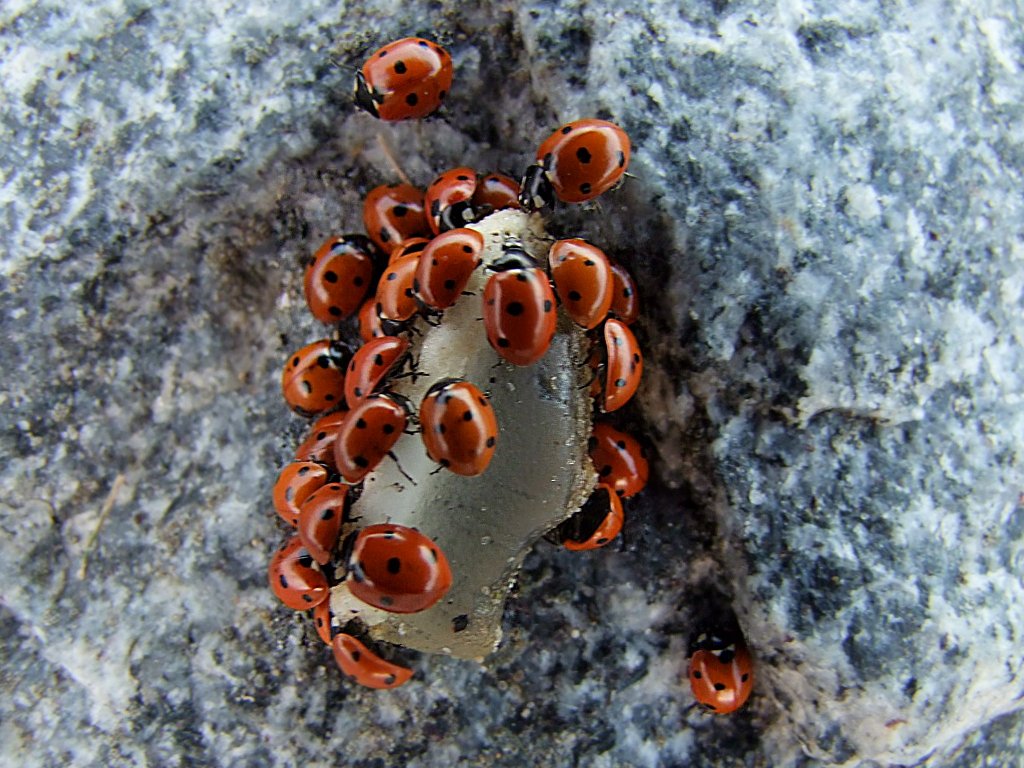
[331, 277]
[400, 67]
[394, 565]
[329, 397]
[483, 401]
[522, 276]
[400, 210]
[547, 305]
[583, 155]
[388, 429]
[408, 292]
[441, 429]
[467, 416]
[605, 470]
[327, 514]
[567, 129]
[382, 54]
[295, 361]
[391, 276]
[323, 361]
[283, 580]
[411, 99]
[424, 44]
[467, 248]
[460, 622]
[620, 382]
[745, 677]
[444, 463]
[449, 284]
[515, 308]
[359, 391]
[442, 94]
[360, 423]
[490, 441]
[585, 188]
[462, 177]
[385, 236]
[622, 159]
[574, 296]
[378, 359]
[719, 686]
[307, 599]
[504, 343]
[357, 655]
[602, 540]
[334, 311]
[386, 600]
[627, 292]
[390, 680]
[361, 461]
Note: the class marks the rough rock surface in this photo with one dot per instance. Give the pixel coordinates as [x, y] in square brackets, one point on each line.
[827, 226]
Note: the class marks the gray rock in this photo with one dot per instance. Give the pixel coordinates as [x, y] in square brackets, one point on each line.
[827, 229]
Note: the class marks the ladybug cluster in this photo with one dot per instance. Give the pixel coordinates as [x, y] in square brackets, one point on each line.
[380, 293]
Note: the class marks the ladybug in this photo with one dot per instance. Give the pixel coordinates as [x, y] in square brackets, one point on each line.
[721, 674]
[396, 299]
[370, 324]
[459, 427]
[361, 665]
[578, 162]
[583, 280]
[323, 620]
[619, 459]
[319, 443]
[519, 307]
[597, 523]
[397, 569]
[368, 434]
[393, 213]
[371, 364]
[446, 265]
[314, 377]
[320, 518]
[294, 577]
[339, 276]
[448, 200]
[412, 245]
[405, 80]
[294, 485]
[625, 302]
[495, 192]
[623, 367]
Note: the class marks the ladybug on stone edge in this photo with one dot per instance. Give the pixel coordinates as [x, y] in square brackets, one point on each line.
[721, 671]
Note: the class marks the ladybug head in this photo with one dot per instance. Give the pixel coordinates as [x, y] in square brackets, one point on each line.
[365, 97]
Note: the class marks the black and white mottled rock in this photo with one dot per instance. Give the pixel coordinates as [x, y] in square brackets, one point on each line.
[827, 227]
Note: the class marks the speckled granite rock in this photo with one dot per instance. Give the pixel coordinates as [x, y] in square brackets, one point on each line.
[828, 231]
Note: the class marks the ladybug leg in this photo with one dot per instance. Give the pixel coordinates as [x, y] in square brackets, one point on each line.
[398, 464]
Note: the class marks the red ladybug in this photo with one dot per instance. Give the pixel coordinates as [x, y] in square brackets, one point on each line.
[519, 308]
[583, 280]
[620, 460]
[393, 213]
[396, 299]
[323, 620]
[319, 443]
[405, 80]
[296, 581]
[459, 427]
[577, 162]
[314, 377]
[495, 192]
[361, 665]
[448, 200]
[623, 367]
[597, 523]
[412, 245]
[446, 265]
[368, 434]
[320, 518]
[371, 364]
[294, 485]
[625, 302]
[397, 569]
[371, 326]
[721, 674]
[338, 277]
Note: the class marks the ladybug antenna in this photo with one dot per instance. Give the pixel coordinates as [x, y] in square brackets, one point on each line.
[336, 62]
[389, 155]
